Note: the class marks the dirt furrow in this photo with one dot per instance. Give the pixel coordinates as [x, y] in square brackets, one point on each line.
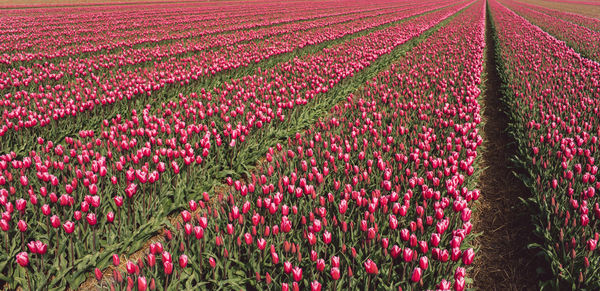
[503, 221]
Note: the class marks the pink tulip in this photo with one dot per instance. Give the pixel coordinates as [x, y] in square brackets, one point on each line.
[371, 267]
[23, 259]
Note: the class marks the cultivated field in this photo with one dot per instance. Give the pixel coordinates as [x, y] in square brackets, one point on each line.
[254, 145]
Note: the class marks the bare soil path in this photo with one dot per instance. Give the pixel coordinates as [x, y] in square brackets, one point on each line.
[503, 261]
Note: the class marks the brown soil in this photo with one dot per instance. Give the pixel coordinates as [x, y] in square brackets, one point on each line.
[503, 221]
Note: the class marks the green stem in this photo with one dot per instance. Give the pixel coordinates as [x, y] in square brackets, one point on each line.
[28, 279]
[71, 246]
[94, 230]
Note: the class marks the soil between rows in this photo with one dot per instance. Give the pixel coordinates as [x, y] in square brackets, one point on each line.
[503, 221]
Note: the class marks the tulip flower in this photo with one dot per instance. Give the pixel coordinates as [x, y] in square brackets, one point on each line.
[55, 221]
[183, 261]
[371, 267]
[115, 259]
[335, 273]
[186, 216]
[468, 256]
[110, 216]
[22, 225]
[141, 283]
[131, 268]
[416, 275]
[23, 259]
[98, 274]
[315, 286]
[297, 274]
[168, 267]
[151, 260]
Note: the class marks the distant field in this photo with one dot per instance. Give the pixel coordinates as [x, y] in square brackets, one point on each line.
[29, 3]
[590, 8]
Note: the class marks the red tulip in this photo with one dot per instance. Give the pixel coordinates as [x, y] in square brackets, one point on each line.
[371, 267]
[115, 259]
[4, 225]
[152, 285]
[166, 257]
[98, 274]
[327, 237]
[186, 215]
[55, 221]
[131, 268]
[141, 283]
[32, 247]
[168, 267]
[23, 259]
[320, 265]
[91, 219]
[416, 275]
[335, 273]
[151, 260]
[193, 205]
[315, 286]
[468, 256]
[297, 274]
[110, 217]
[21, 204]
[423, 263]
[41, 247]
[287, 267]
[183, 261]
[46, 209]
[262, 243]
[118, 201]
[22, 225]
[248, 238]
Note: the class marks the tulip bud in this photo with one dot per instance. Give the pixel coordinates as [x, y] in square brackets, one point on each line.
[118, 201]
[183, 261]
[91, 219]
[152, 285]
[116, 260]
[55, 221]
[416, 275]
[131, 268]
[110, 217]
[168, 267]
[335, 273]
[98, 274]
[22, 225]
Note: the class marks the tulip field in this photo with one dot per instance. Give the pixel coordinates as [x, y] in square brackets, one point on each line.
[306, 145]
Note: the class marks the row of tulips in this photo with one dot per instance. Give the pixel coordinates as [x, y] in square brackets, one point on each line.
[38, 109]
[109, 190]
[28, 77]
[554, 98]
[228, 22]
[581, 39]
[50, 34]
[376, 196]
